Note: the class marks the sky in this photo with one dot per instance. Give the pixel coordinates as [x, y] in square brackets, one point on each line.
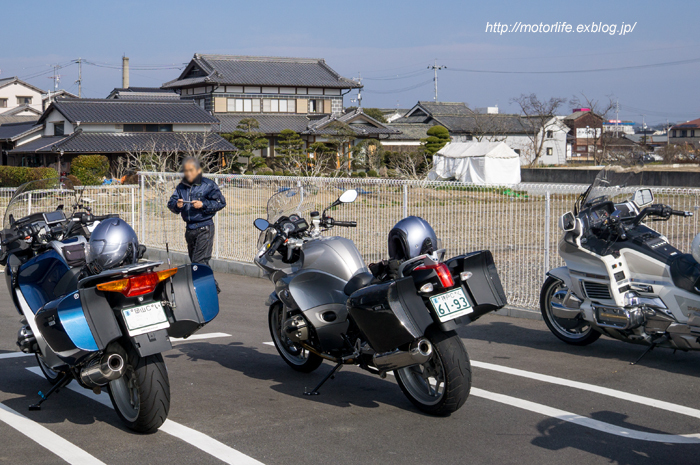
[390, 44]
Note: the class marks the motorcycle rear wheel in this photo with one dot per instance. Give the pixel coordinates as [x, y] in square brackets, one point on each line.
[296, 357]
[141, 397]
[441, 385]
[577, 333]
[51, 376]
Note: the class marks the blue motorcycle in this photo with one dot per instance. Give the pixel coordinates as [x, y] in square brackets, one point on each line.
[93, 310]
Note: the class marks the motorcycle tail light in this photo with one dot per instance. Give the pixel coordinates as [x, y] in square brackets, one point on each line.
[442, 271]
[137, 285]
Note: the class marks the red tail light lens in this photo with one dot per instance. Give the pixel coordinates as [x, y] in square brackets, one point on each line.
[137, 285]
[442, 271]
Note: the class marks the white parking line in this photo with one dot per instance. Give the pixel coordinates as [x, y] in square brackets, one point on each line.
[199, 337]
[14, 355]
[46, 438]
[582, 420]
[648, 401]
[193, 437]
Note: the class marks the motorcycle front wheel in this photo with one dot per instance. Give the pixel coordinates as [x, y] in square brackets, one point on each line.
[296, 357]
[141, 397]
[441, 385]
[577, 332]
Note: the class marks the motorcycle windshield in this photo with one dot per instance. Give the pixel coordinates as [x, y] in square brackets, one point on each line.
[610, 183]
[288, 201]
[43, 195]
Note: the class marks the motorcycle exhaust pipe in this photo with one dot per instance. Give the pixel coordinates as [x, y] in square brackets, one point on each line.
[419, 353]
[101, 371]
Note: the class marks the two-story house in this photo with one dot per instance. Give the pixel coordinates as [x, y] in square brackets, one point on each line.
[301, 94]
[685, 133]
[464, 124]
[116, 127]
[19, 98]
[586, 134]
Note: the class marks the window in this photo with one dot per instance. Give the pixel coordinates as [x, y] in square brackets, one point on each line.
[58, 128]
[3, 103]
[550, 151]
[24, 100]
[279, 105]
[275, 106]
[692, 133]
[550, 134]
[684, 133]
[146, 128]
[674, 133]
[314, 106]
[243, 105]
[283, 106]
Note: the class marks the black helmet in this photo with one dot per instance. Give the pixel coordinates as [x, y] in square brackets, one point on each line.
[410, 237]
[113, 243]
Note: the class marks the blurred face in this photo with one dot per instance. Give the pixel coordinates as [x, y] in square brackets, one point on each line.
[191, 172]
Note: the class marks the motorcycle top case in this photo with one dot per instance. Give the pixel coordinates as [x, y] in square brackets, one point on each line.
[484, 286]
[389, 314]
[195, 297]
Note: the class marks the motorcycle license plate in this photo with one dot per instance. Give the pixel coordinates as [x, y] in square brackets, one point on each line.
[145, 318]
[451, 304]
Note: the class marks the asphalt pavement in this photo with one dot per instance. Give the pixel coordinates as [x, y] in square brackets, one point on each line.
[534, 400]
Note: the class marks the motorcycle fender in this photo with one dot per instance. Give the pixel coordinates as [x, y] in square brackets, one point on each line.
[562, 274]
[193, 291]
[272, 299]
[152, 343]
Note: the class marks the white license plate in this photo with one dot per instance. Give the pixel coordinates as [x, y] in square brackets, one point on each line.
[145, 318]
[451, 304]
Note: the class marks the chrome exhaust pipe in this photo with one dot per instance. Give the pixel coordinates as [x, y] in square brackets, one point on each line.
[420, 352]
[101, 371]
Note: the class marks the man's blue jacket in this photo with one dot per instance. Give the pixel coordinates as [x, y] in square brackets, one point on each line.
[201, 189]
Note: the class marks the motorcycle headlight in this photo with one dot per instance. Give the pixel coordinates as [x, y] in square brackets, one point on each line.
[631, 299]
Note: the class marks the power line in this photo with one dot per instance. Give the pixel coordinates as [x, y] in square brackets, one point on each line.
[397, 91]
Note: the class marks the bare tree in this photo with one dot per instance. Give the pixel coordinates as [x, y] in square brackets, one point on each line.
[163, 157]
[342, 137]
[539, 120]
[600, 108]
[489, 127]
[410, 164]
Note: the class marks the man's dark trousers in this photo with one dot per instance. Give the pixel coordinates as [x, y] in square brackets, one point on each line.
[200, 242]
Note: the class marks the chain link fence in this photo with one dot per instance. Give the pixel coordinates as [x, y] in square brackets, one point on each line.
[517, 223]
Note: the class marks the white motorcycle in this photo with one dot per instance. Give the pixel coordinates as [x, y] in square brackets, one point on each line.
[622, 278]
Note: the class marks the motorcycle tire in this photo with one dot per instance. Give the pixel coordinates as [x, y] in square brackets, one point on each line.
[51, 376]
[550, 286]
[141, 397]
[299, 359]
[451, 369]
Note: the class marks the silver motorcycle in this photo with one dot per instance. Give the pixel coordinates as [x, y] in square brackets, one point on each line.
[622, 278]
[327, 305]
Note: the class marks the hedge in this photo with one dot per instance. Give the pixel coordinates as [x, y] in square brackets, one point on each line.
[14, 176]
[90, 169]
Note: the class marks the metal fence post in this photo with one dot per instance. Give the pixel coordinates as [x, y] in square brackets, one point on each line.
[142, 183]
[29, 205]
[133, 207]
[547, 217]
[405, 200]
[217, 233]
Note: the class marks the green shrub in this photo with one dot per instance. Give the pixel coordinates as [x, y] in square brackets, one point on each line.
[90, 169]
[13, 176]
[362, 174]
[73, 180]
[266, 171]
[372, 174]
[279, 173]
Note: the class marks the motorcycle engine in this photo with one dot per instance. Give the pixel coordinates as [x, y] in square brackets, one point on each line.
[619, 318]
[26, 340]
[297, 329]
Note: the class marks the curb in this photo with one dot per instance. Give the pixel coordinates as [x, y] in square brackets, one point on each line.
[251, 270]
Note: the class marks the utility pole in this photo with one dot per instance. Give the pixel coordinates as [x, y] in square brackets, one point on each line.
[617, 118]
[435, 69]
[359, 90]
[80, 78]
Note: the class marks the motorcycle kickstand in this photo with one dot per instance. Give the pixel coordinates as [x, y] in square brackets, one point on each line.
[649, 349]
[330, 375]
[63, 382]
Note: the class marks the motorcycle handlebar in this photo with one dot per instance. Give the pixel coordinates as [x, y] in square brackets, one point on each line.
[681, 213]
[276, 243]
[345, 224]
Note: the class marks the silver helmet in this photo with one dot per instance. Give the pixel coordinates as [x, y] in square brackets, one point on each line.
[410, 237]
[113, 243]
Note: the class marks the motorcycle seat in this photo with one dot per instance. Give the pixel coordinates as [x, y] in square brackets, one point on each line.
[359, 281]
[685, 272]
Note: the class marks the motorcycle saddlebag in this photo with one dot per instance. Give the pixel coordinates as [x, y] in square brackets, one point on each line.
[193, 292]
[389, 314]
[484, 286]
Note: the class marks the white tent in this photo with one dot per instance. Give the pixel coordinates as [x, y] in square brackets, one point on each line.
[477, 162]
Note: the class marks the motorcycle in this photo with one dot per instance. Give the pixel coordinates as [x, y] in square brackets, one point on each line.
[103, 329]
[327, 305]
[622, 278]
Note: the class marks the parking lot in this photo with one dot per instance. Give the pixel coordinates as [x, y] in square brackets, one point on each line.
[533, 400]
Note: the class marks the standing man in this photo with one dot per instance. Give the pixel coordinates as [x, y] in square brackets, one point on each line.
[197, 200]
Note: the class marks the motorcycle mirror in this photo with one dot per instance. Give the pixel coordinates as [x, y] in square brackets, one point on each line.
[643, 197]
[567, 222]
[348, 196]
[261, 224]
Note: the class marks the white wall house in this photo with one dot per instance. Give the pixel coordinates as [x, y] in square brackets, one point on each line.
[19, 98]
